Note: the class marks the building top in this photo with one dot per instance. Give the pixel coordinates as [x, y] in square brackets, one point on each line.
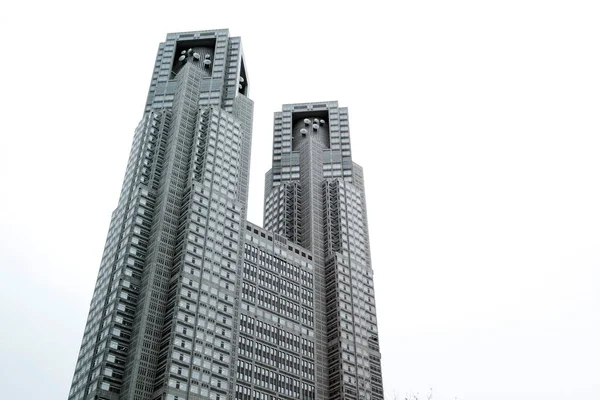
[214, 54]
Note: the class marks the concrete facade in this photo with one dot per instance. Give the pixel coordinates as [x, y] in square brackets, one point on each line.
[194, 302]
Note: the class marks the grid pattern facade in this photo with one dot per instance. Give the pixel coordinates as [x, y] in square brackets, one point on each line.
[161, 322]
[276, 323]
[314, 196]
[194, 302]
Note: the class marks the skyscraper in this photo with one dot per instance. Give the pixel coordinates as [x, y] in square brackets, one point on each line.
[314, 196]
[191, 300]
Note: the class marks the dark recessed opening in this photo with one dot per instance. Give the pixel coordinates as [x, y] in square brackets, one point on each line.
[317, 125]
[243, 85]
[199, 51]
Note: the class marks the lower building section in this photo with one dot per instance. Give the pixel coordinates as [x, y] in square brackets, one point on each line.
[275, 343]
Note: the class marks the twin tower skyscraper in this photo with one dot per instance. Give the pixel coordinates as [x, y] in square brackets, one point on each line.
[194, 302]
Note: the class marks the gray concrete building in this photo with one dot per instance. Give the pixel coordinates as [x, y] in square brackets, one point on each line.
[314, 196]
[194, 302]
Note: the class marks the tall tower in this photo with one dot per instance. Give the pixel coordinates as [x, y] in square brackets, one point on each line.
[194, 302]
[162, 317]
[314, 196]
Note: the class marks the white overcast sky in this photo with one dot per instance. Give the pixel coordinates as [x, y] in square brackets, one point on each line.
[476, 122]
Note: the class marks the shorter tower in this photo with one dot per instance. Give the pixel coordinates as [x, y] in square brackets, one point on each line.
[314, 196]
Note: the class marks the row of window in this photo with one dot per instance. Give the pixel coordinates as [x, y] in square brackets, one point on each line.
[277, 336]
[254, 350]
[278, 265]
[277, 284]
[245, 393]
[280, 306]
[268, 379]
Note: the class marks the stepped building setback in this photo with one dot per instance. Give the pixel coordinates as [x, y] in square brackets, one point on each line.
[192, 301]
